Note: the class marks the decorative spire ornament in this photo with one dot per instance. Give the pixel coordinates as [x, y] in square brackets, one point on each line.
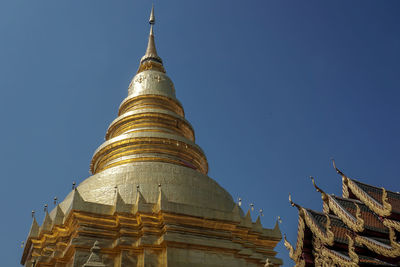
[151, 52]
[261, 213]
[152, 19]
[151, 60]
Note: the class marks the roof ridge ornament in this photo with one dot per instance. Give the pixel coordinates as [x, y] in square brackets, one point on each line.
[337, 170]
[355, 222]
[294, 204]
[325, 235]
[324, 196]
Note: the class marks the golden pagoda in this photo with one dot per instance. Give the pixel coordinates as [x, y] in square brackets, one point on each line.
[149, 201]
[359, 228]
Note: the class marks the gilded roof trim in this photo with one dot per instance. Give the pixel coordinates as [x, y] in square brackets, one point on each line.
[327, 257]
[382, 210]
[295, 254]
[326, 236]
[378, 247]
[354, 223]
[392, 226]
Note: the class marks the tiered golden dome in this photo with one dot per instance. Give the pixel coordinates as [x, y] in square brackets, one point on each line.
[150, 126]
[149, 201]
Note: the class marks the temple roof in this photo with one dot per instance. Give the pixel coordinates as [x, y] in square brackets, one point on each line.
[376, 194]
[371, 220]
[360, 224]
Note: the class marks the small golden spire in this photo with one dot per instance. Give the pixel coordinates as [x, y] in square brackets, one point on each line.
[151, 52]
[151, 60]
[152, 19]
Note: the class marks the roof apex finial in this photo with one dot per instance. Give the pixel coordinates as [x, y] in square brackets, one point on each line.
[150, 58]
[152, 19]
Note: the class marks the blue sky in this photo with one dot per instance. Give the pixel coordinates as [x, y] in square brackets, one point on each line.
[274, 90]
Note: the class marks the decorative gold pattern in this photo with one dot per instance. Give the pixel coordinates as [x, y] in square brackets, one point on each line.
[324, 257]
[354, 223]
[329, 203]
[391, 223]
[325, 251]
[60, 244]
[385, 202]
[327, 236]
[151, 65]
[345, 188]
[296, 254]
[352, 252]
[393, 226]
[382, 210]
[378, 247]
[393, 239]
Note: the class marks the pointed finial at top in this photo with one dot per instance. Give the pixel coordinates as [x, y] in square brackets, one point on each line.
[151, 60]
[337, 170]
[152, 19]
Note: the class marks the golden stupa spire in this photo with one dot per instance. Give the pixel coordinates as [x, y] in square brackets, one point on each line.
[150, 126]
[151, 60]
